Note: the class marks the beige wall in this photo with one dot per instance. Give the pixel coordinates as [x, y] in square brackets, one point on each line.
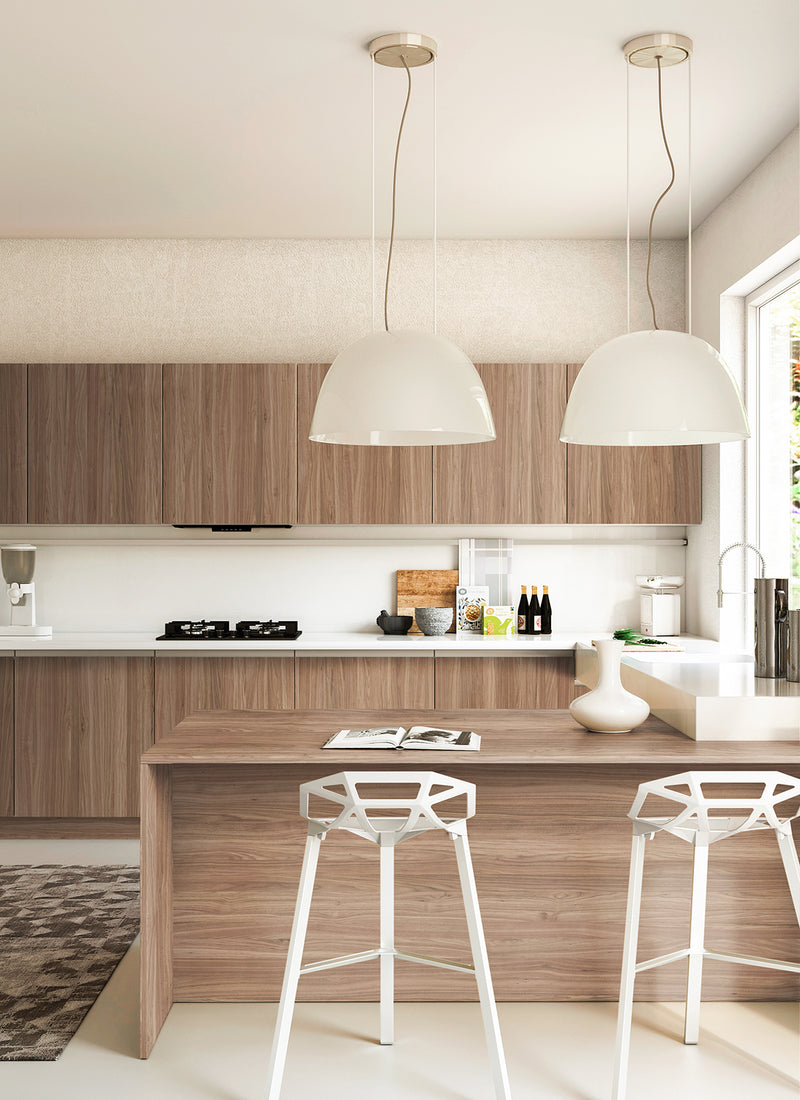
[275, 301]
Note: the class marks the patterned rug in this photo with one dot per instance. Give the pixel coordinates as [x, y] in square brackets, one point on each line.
[63, 930]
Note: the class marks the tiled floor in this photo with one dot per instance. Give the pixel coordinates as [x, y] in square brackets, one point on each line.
[555, 1052]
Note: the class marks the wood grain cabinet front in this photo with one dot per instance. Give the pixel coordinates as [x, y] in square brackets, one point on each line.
[14, 449]
[94, 443]
[633, 484]
[504, 683]
[6, 736]
[339, 682]
[342, 484]
[230, 446]
[186, 684]
[81, 725]
[521, 476]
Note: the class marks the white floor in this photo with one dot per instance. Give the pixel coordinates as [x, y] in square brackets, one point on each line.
[555, 1052]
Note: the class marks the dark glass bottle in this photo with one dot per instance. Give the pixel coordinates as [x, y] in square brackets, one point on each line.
[534, 613]
[547, 612]
[522, 612]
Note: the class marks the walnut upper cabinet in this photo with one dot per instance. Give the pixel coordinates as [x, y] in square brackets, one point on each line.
[343, 484]
[14, 435]
[94, 443]
[633, 484]
[521, 476]
[230, 453]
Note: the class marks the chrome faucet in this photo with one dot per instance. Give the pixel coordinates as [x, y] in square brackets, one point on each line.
[733, 545]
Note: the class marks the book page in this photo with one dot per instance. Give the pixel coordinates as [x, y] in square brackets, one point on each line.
[432, 737]
[379, 737]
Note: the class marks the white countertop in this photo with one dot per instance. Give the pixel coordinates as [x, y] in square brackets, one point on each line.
[372, 642]
[707, 694]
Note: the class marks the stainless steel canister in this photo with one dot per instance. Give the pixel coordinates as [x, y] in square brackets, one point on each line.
[793, 647]
[771, 609]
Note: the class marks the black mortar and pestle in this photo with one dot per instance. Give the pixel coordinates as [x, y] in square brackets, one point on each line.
[394, 624]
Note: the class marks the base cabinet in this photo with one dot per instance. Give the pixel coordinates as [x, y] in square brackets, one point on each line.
[187, 684]
[6, 736]
[344, 682]
[504, 683]
[81, 725]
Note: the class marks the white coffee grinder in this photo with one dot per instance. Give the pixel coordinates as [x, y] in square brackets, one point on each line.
[660, 606]
[18, 564]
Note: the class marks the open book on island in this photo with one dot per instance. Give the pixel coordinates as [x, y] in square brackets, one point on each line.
[395, 737]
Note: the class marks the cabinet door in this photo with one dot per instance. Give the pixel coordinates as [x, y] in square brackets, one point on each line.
[521, 476]
[6, 736]
[14, 449]
[81, 726]
[187, 684]
[94, 443]
[504, 683]
[230, 449]
[633, 484]
[341, 484]
[359, 682]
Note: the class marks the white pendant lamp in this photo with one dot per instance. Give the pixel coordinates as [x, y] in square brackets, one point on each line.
[658, 387]
[401, 388]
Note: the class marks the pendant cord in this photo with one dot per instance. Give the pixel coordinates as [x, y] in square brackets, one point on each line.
[666, 190]
[394, 198]
[628, 195]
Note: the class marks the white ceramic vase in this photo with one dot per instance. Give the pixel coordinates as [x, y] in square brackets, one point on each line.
[609, 708]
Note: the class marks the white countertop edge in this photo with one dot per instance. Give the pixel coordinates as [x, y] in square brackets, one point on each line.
[372, 643]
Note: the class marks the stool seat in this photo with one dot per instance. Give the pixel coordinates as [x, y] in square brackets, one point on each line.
[714, 806]
[377, 818]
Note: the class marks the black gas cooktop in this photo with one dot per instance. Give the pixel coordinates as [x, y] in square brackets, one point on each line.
[219, 630]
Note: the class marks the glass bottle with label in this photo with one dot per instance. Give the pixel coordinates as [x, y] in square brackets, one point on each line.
[522, 612]
[534, 613]
[547, 612]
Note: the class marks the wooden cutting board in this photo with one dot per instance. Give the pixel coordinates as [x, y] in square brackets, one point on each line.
[426, 588]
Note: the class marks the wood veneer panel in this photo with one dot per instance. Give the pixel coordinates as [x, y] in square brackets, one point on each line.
[520, 477]
[341, 484]
[187, 684]
[633, 484]
[69, 828]
[230, 450]
[14, 450]
[333, 682]
[550, 845]
[514, 683]
[156, 904]
[511, 737]
[94, 443]
[6, 736]
[81, 725]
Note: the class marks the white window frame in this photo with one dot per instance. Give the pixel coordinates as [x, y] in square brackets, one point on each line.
[755, 463]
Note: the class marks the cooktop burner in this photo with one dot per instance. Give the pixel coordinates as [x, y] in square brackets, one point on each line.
[219, 630]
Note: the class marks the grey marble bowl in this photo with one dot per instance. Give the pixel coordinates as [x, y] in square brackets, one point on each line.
[433, 620]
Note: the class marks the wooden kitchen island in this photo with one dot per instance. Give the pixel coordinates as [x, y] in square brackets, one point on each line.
[222, 845]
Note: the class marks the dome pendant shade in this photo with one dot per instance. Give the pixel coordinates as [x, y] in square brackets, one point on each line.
[379, 386]
[654, 388]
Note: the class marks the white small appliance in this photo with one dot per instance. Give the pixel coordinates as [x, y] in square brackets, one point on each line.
[18, 564]
[660, 606]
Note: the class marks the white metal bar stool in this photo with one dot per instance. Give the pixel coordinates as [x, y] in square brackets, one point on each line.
[702, 820]
[361, 815]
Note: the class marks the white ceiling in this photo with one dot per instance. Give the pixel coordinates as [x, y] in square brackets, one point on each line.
[251, 118]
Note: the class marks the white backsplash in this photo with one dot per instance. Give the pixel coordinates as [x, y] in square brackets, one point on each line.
[320, 578]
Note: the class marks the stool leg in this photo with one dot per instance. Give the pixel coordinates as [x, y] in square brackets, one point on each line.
[791, 865]
[280, 1040]
[625, 1012]
[694, 978]
[480, 959]
[387, 944]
